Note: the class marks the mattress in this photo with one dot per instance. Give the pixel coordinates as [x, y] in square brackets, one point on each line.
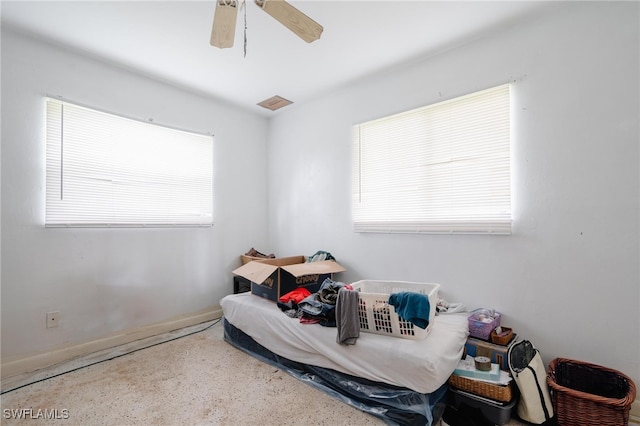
[394, 405]
[419, 365]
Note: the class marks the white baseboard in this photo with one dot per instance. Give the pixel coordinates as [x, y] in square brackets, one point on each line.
[13, 367]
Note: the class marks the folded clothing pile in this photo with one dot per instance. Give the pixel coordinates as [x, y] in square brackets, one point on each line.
[255, 253]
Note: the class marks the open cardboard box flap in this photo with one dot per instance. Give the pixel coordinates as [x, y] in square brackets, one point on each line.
[319, 267]
[259, 270]
[255, 271]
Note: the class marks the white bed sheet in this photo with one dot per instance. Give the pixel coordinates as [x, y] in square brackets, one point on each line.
[420, 365]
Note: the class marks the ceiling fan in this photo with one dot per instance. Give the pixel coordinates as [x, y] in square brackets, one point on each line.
[224, 21]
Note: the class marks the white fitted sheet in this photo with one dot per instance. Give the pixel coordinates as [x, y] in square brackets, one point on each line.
[420, 365]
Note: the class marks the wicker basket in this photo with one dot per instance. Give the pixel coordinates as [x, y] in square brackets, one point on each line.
[589, 394]
[502, 339]
[493, 391]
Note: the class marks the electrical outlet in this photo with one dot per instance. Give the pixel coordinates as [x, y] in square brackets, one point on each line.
[53, 319]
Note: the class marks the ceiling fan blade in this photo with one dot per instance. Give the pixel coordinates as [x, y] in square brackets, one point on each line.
[224, 23]
[301, 25]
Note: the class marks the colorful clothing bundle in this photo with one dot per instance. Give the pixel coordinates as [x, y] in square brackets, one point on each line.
[321, 306]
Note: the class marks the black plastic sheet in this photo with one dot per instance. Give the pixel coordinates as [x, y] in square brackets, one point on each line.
[394, 405]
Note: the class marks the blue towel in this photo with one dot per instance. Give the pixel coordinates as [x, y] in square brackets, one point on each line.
[412, 307]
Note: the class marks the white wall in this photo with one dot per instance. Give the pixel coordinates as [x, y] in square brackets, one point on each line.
[107, 280]
[568, 278]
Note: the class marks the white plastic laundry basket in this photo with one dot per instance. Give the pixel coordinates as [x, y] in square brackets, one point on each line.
[377, 316]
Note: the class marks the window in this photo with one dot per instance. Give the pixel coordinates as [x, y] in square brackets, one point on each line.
[106, 170]
[443, 168]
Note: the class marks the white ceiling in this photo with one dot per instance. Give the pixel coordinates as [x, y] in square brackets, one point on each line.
[169, 40]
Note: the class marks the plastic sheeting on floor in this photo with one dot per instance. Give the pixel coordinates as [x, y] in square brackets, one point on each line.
[394, 405]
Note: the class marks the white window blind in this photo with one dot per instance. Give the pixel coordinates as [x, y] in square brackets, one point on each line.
[107, 170]
[443, 168]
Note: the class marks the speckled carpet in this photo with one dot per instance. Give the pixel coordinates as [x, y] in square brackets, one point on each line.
[197, 379]
[194, 380]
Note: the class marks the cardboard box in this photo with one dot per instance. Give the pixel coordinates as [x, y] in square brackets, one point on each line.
[498, 353]
[272, 278]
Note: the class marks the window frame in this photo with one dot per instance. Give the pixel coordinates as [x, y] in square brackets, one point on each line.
[371, 203]
[99, 172]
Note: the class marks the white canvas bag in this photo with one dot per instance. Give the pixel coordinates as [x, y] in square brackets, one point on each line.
[528, 371]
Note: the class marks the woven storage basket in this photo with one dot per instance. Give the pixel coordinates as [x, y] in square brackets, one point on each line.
[477, 387]
[503, 339]
[589, 394]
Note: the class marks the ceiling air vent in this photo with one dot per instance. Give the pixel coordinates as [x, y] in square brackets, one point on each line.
[274, 103]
